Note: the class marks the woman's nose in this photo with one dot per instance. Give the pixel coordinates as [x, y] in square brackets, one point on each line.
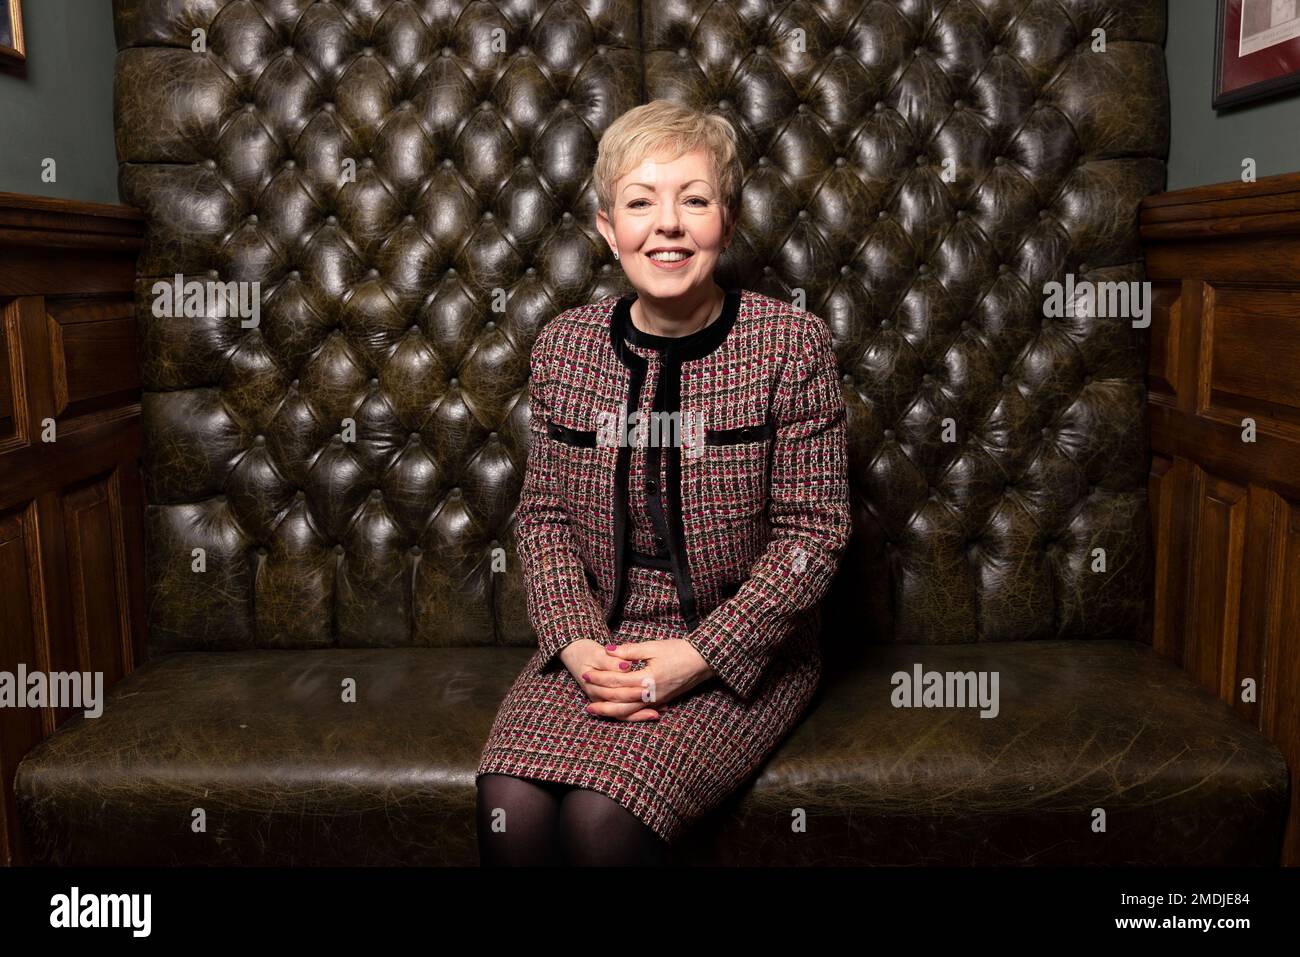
[669, 218]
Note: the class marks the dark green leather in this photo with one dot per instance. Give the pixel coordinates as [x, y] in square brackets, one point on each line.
[373, 560]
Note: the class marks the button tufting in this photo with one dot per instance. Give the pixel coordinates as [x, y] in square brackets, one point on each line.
[724, 104]
[760, 49]
[332, 220]
[261, 549]
[295, 276]
[882, 215]
[489, 324]
[374, 381]
[259, 440]
[923, 269]
[523, 51]
[803, 108]
[889, 433]
[373, 274]
[840, 161]
[300, 495]
[1047, 433]
[338, 549]
[839, 50]
[846, 377]
[454, 381]
[376, 495]
[414, 436]
[681, 51]
[416, 550]
[1006, 380]
[844, 270]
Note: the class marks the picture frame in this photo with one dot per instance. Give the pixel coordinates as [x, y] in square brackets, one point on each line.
[1257, 50]
[12, 45]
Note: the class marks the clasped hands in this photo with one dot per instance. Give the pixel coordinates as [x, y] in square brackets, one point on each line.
[605, 673]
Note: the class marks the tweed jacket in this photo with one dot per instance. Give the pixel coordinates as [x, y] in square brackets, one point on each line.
[746, 429]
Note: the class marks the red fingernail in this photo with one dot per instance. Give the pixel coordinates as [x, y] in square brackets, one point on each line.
[623, 666]
[590, 710]
[611, 647]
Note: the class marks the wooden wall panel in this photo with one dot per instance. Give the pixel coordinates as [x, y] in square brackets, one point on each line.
[71, 509]
[1224, 392]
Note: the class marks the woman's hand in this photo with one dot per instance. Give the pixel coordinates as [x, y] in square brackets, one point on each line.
[586, 658]
[673, 667]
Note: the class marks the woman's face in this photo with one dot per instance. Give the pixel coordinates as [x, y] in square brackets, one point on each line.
[666, 205]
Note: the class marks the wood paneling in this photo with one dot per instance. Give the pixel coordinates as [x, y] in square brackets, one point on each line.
[1224, 391]
[71, 499]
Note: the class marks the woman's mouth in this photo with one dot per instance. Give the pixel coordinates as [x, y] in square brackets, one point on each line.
[675, 259]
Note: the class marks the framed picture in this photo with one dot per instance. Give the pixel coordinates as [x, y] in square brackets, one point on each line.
[1257, 52]
[11, 31]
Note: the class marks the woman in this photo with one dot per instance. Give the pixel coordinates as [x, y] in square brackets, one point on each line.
[684, 509]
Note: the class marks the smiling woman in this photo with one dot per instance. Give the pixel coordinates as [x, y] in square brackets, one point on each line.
[668, 207]
[677, 587]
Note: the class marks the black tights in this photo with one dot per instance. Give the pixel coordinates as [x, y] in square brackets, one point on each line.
[549, 823]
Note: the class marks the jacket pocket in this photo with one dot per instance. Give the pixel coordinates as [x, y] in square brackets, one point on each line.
[581, 438]
[729, 481]
[739, 436]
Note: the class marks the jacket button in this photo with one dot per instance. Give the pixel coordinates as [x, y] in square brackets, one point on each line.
[746, 433]
[660, 544]
[651, 486]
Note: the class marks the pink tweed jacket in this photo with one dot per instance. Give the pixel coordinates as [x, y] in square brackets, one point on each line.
[749, 426]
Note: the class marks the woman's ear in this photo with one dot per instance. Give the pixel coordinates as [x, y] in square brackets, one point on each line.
[606, 229]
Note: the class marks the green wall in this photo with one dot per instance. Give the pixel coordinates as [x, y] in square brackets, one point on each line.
[1205, 147]
[60, 104]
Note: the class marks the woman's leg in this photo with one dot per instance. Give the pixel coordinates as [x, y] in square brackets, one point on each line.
[531, 809]
[598, 831]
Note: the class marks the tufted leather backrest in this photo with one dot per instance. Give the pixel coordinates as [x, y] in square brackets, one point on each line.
[408, 182]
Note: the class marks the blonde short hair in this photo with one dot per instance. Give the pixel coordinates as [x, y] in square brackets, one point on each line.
[663, 127]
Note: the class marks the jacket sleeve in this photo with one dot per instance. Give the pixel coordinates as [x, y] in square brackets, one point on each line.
[561, 607]
[811, 522]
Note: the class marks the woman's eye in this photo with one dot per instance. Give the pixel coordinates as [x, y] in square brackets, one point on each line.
[637, 203]
[698, 199]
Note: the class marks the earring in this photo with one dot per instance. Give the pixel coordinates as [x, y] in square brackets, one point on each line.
[616, 254]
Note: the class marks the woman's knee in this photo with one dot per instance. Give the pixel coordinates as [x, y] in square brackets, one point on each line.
[596, 830]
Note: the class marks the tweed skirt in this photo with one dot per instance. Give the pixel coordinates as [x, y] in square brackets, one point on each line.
[670, 772]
